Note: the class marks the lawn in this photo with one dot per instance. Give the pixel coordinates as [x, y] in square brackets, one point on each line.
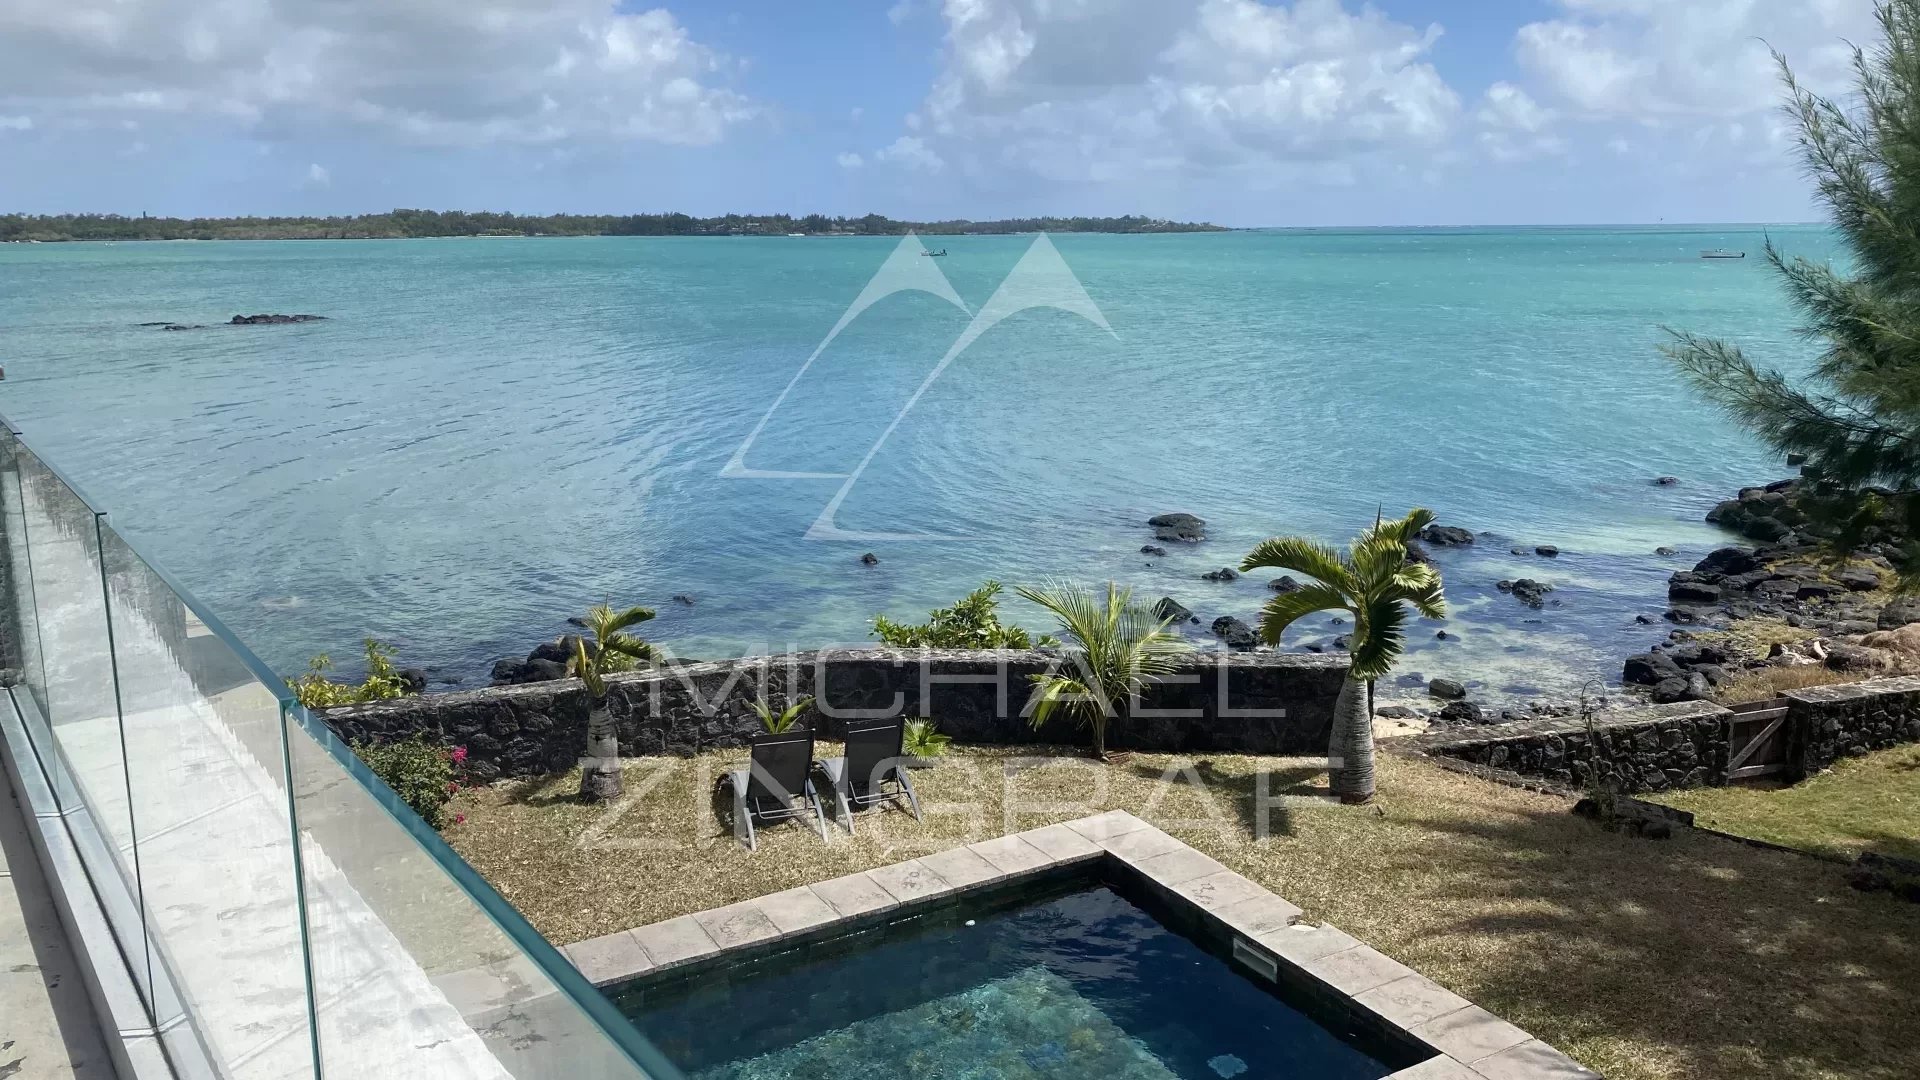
[1861, 804]
[1646, 960]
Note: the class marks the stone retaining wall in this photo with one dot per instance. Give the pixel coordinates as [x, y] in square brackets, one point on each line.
[1258, 703]
[1686, 744]
[1646, 749]
[1827, 723]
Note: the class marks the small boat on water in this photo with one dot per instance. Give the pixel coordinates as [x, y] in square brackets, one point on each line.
[1722, 253]
[934, 254]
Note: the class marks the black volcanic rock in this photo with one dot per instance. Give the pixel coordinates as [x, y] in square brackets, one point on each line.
[1446, 536]
[1169, 608]
[265, 320]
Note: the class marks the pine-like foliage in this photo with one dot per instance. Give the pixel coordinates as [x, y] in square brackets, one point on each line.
[1857, 416]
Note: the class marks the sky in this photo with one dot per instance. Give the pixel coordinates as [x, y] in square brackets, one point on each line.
[1240, 112]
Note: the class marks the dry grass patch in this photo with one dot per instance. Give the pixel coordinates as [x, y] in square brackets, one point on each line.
[1765, 684]
[1756, 636]
[1696, 957]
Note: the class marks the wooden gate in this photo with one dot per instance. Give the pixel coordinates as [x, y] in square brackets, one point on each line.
[1757, 740]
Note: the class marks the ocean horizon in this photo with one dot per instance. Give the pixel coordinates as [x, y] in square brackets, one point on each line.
[480, 440]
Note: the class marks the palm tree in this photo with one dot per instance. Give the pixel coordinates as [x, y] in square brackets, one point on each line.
[600, 774]
[1118, 648]
[1374, 582]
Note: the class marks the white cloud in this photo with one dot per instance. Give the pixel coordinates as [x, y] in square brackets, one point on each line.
[16, 123]
[900, 12]
[427, 71]
[1079, 91]
[1668, 62]
[1514, 127]
[1510, 108]
[850, 160]
[911, 151]
[317, 176]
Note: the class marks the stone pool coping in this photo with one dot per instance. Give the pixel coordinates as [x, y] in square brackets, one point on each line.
[1470, 1043]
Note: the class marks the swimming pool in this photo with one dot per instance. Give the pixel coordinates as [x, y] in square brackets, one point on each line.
[1072, 976]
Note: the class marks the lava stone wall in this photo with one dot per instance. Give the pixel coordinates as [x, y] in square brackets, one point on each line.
[1258, 703]
[1827, 723]
[1646, 749]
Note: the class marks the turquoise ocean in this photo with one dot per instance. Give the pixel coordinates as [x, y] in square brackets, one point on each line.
[487, 435]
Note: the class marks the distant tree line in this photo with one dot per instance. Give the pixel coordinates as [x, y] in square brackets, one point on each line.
[402, 224]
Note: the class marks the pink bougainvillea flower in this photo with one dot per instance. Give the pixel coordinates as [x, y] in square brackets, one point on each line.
[459, 755]
[459, 819]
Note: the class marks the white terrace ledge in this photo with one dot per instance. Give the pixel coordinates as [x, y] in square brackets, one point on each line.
[1469, 1042]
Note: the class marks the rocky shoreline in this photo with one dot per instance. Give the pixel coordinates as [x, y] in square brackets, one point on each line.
[1735, 615]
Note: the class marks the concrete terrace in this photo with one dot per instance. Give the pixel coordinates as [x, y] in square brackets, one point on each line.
[47, 1026]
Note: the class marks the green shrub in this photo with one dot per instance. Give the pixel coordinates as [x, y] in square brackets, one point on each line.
[922, 740]
[781, 722]
[423, 773]
[973, 623]
[383, 681]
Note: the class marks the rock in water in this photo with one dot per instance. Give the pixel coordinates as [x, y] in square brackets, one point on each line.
[1461, 712]
[1530, 592]
[1666, 481]
[1177, 521]
[1682, 591]
[1284, 584]
[263, 320]
[1169, 608]
[1417, 553]
[1179, 534]
[1547, 551]
[1178, 528]
[1149, 549]
[1665, 552]
[1446, 536]
[1238, 635]
[1446, 689]
[870, 559]
[683, 598]
[1225, 573]
[1650, 669]
[1728, 560]
[558, 652]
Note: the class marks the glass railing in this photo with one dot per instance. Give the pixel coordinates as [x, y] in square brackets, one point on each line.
[282, 912]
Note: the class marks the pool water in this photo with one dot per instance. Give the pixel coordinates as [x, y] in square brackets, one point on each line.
[1082, 985]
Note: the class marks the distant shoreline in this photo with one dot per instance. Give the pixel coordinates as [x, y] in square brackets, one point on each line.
[431, 224]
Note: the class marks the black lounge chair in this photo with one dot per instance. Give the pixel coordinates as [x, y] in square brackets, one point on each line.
[873, 770]
[777, 784]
